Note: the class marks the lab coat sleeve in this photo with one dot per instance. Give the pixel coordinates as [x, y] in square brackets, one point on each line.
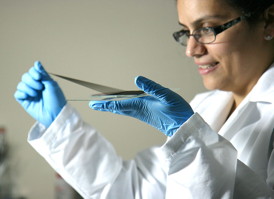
[77, 152]
[89, 163]
[205, 165]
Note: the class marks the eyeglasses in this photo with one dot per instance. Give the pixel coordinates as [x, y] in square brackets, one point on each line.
[205, 35]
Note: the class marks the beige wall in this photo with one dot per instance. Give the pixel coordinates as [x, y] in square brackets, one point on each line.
[105, 41]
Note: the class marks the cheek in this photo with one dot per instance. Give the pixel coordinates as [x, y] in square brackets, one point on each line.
[230, 64]
[235, 39]
[220, 52]
[229, 60]
[232, 49]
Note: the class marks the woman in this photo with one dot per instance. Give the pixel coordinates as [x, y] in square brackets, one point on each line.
[223, 150]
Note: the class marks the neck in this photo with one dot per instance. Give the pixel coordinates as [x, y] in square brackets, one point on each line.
[236, 102]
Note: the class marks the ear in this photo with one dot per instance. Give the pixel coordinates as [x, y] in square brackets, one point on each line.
[269, 20]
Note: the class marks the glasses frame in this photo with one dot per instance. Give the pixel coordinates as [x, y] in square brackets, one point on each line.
[215, 30]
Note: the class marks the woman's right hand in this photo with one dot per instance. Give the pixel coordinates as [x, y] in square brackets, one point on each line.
[40, 95]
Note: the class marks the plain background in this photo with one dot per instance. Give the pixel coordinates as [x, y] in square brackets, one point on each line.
[105, 41]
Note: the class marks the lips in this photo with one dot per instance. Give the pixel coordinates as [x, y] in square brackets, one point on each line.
[207, 68]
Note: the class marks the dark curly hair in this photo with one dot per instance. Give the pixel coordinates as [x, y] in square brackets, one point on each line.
[251, 7]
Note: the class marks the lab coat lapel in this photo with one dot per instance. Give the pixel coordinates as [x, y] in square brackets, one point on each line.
[262, 93]
[213, 107]
[251, 124]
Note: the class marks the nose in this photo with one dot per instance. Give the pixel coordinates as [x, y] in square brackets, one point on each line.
[194, 48]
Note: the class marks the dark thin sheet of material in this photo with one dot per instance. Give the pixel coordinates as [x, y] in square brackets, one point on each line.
[106, 92]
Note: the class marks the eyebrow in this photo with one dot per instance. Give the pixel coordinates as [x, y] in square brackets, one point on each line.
[205, 18]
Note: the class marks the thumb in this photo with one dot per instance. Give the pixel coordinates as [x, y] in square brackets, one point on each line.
[154, 89]
[44, 74]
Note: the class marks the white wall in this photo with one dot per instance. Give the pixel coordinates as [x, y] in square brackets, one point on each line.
[104, 41]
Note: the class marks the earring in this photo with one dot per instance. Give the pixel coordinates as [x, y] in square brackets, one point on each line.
[268, 37]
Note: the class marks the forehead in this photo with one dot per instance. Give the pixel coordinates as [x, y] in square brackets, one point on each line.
[192, 10]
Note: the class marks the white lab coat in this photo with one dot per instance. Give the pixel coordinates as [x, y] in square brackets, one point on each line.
[209, 157]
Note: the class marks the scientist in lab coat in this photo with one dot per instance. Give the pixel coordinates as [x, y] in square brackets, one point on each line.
[219, 146]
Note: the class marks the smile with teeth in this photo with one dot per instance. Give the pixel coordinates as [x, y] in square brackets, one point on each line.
[208, 65]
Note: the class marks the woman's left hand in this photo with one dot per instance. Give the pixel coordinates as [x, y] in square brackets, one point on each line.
[162, 109]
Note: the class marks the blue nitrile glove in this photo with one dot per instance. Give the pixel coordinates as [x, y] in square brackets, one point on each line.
[163, 109]
[40, 95]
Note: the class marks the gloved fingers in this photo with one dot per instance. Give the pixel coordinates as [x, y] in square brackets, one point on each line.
[118, 107]
[44, 74]
[44, 77]
[110, 106]
[35, 74]
[29, 91]
[154, 89]
[19, 95]
[30, 80]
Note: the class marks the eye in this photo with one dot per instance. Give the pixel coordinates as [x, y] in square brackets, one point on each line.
[182, 33]
[182, 36]
[206, 31]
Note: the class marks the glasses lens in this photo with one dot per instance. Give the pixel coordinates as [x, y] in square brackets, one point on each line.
[181, 37]
[204, 35]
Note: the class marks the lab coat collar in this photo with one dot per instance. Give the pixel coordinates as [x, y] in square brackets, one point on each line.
[263, 91]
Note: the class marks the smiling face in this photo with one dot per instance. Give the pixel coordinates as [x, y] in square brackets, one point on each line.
[239, 55]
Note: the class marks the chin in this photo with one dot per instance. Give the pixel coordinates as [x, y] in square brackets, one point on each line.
[210, 85]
